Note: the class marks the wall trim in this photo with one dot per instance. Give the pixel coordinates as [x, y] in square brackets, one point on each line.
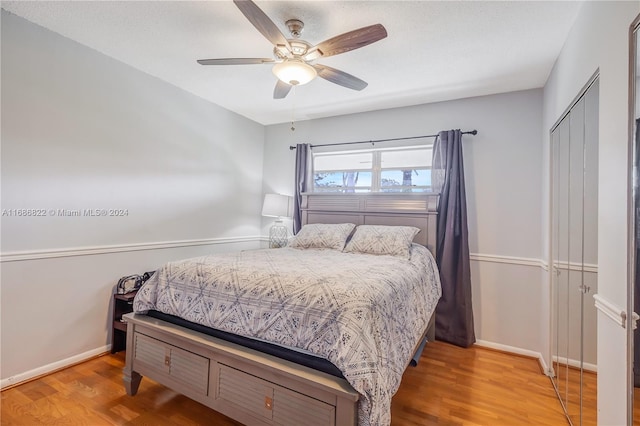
[530, 261]
[493, 258]
[17, 256]
[574, 266]
[613, 311]
[515, 350]
[53, 367]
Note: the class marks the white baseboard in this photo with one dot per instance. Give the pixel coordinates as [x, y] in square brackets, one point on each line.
[58, 365]
[533, 354]
[54, 366]
[517, 351]
[576, 364]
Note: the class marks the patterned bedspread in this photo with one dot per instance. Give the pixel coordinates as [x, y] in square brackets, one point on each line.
[364, 313]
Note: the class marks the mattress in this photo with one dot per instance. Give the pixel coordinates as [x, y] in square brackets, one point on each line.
[363, 313]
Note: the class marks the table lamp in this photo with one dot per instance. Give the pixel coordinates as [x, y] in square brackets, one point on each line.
[279, 206]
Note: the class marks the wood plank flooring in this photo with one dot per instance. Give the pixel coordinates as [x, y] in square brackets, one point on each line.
[450, 386]
[636, 406]
[569, 388]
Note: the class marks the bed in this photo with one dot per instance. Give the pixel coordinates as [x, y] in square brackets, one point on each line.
[315, 334]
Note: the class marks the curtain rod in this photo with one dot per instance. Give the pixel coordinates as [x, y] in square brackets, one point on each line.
[471, 132]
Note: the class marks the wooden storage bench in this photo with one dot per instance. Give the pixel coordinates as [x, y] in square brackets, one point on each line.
[244, 384]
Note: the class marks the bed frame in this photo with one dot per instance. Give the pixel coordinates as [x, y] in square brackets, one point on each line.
[252, 387]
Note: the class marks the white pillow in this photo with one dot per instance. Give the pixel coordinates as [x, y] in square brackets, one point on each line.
[380, 239]
[322, 235]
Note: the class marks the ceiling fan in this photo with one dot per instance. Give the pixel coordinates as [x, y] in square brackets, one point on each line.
[294, 58]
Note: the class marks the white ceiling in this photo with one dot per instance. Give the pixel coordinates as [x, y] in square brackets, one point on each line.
[434, 51]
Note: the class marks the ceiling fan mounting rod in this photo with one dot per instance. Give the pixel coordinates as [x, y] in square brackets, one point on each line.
[295, 27]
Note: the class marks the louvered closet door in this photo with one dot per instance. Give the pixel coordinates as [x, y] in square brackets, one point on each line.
[590, 224]
[560, 250]
[574, 247]
[574, 268]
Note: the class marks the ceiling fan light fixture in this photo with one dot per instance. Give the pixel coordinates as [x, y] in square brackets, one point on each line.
[294, 72]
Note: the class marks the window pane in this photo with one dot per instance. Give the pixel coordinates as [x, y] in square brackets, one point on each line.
[359, 161]
[398, 170]
[406, 178]
[340, 181]
[406, 158]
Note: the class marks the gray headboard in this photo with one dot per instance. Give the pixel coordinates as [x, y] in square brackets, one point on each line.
[419, 210]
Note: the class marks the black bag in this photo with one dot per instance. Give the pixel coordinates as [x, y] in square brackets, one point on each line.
[132, 282]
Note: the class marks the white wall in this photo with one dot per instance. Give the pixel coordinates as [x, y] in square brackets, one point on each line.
[502, 167]
[83, 131]
[599, 40]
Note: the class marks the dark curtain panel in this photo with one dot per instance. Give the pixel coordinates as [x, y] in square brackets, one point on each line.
[454, 314]
[302, 162]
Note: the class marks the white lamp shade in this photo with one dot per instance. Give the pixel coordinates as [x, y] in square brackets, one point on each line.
[294, 72]
[277, 205]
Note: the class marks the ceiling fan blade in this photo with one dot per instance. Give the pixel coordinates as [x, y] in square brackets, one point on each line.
[282, 90]
[235, 61]
[261, 21]
[348, 41]
[340, 77]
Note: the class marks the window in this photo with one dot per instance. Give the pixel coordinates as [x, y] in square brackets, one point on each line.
[373, 170]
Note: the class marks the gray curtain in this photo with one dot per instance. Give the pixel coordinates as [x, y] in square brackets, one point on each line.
[454, 314]
[302, 164]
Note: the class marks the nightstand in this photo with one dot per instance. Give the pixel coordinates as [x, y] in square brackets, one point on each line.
[122, 304]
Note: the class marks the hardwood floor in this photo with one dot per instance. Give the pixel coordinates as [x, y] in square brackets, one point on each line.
[450, 386]
[569, 388]
[636, 406]
[475, 386]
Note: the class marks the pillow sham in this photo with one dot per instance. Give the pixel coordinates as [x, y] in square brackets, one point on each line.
[381, 239]
[323, 235]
